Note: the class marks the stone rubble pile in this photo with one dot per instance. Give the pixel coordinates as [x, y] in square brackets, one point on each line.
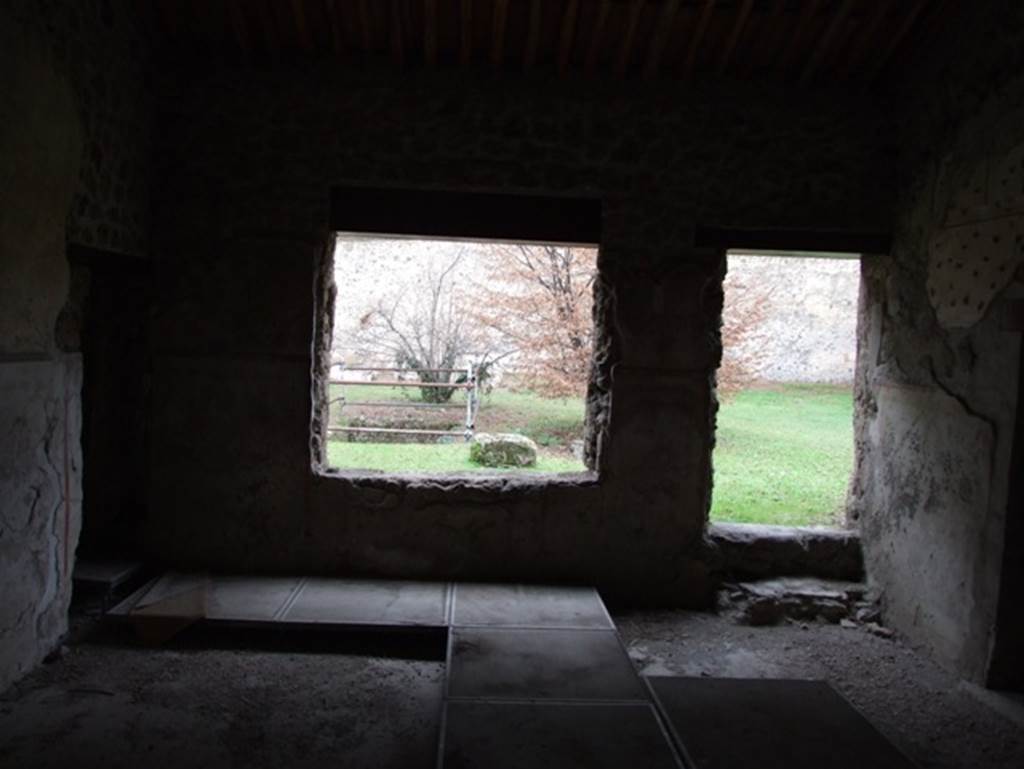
[803, 599]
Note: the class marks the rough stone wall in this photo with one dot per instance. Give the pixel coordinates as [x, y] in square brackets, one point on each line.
[101, 48]
[40, 458]
[937, 375]
[249, 158]
[74, 167]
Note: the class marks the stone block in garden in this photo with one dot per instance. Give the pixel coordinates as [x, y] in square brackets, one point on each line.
[503, 450]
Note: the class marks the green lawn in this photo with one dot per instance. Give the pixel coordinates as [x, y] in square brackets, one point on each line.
[427, 458]
[784, 456]
[548, 421]
[551, 422]
[375, 393]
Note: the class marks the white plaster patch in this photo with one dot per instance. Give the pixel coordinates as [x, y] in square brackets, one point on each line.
[968, 197]
[33, 507]
[932, 495]
[1006, 181]
[969, 265]
[975, 254]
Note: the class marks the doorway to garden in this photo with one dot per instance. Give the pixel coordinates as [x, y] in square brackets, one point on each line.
[784, 449]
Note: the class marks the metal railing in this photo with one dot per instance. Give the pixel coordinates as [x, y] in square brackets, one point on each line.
[470, 384]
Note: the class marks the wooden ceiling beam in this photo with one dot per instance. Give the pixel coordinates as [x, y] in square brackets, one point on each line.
[204, 23]
[239, 28]
[765, 49]
[566, 36]
[803, 22]
[364, 25]
[337, 34]
[626, 48]
[825, 41]
[660, 38]
[299, 14]
[430, 32]
[878, 65]
[152, 24]
[866, 36]
[170, 16]
[532, 36]
[735, 35]
[397, 36]
[698, 38]
[594, 49]
[269, 27]
[498, 32]
[466, 33]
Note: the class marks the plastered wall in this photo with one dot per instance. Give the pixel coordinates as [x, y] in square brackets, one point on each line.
[73, 159]
[939, 363]
[40, 460]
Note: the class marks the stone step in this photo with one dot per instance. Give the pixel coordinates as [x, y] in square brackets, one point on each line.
[753, 551]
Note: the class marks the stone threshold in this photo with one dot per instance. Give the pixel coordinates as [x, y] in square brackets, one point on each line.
[742, 551]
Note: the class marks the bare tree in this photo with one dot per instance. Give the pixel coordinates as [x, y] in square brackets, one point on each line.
[423, 330]
[539, 302]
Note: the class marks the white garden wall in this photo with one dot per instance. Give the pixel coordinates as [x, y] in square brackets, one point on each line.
[810, 331]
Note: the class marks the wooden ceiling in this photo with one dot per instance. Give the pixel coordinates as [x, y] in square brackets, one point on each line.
[796, 40]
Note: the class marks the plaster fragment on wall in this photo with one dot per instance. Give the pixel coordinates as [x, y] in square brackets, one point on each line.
[968, 267]
[932, 495]
[968, 196]
[1006, 182]
[974, 255]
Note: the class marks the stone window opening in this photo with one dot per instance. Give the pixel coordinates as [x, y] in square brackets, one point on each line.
[458, 356]
[784, 448]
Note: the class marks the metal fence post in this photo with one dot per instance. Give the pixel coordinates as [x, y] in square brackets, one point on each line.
[470, 401]
[470, 386]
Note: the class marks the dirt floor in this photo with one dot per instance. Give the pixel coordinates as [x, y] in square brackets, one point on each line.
[229, 699]
[916, 704]
[237, 699]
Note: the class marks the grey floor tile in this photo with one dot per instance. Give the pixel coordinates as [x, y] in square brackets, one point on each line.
[529, 606]
[487, 735]
[253, 599]
[106, 573]
[541, 664]
[125, 606]
[175, 594]
[370, 602]
[764, 724]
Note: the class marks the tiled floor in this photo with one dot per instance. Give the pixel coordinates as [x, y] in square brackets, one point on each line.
[242, 599]
[762, 724]
[538, 676]
[500, 735]
[306, 600]
[370, 602]
[541, 665]
[531, 606]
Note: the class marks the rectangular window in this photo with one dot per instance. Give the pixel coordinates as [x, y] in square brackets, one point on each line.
[458, 356]
[784, 440]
